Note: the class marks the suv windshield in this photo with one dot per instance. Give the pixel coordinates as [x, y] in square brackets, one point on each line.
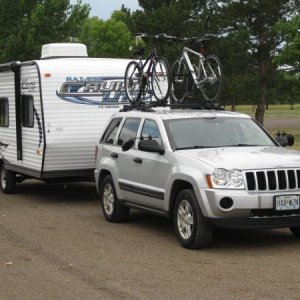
[216, 132]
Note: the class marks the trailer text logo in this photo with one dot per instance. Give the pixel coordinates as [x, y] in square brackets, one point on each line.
[94, 90]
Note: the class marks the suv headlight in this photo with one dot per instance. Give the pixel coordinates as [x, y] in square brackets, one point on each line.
[221, 178]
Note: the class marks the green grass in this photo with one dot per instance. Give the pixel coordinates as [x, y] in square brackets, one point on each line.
[273, 111]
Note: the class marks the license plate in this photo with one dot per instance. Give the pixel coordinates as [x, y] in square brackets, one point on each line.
[287, 202]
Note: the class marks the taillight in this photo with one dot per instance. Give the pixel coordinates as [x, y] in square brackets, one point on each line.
[202, 50]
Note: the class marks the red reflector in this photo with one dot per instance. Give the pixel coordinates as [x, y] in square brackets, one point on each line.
[47, 75]
[202, 51]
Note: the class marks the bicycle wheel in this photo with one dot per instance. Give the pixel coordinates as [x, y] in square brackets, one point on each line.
[179, 81]
[160, 80]
[133, 75]
[211, 88]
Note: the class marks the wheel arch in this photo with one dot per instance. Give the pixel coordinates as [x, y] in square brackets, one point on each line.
[103, 173]
[177, 186]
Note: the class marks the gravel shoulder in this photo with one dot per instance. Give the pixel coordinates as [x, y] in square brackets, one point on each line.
[60, 247]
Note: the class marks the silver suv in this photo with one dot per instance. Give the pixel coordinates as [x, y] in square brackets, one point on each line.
[200, 168]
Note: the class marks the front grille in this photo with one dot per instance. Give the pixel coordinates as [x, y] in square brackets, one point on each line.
[273, 180]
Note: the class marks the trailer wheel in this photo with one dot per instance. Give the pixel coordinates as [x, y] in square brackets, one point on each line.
[7, 181]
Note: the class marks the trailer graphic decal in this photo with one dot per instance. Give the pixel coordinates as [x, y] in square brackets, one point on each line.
[38, 119]
[3, 146]
[95, 91]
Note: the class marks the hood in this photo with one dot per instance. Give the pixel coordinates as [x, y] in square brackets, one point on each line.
[246, 158]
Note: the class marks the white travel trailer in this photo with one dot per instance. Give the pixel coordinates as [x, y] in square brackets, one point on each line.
[51, 112]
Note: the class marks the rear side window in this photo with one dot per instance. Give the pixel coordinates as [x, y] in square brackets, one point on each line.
[27, 111]
[151, 131]
[111, 131]
[4, 116]
[129, 130]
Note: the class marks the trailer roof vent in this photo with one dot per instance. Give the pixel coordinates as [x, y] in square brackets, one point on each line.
[63, 50]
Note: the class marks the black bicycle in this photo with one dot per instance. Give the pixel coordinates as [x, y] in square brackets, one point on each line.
[148, 77]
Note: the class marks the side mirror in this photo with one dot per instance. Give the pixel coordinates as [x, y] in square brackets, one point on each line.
[290, 139]
[128, 145]
[151, 146]
[285, 139]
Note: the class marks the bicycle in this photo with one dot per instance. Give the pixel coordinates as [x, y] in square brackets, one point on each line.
[148, 76]
[207, 74]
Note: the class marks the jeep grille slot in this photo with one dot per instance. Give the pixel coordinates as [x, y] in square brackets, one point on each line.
[264, 213]
[273, 180]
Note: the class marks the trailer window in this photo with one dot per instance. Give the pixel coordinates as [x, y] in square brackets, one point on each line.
[27, 111]
[4, 116]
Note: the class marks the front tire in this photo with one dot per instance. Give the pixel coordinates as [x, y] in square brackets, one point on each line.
[192, 229]
[161, 80]
[7, 181]
[295, 231]
[112, 209]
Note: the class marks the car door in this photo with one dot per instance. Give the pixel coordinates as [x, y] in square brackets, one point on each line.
[150, 171]
[126, 167]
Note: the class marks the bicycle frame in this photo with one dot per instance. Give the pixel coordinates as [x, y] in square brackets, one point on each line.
[195, 76]
[149, 60]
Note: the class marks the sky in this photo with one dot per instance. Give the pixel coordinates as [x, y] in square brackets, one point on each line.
[104, 8]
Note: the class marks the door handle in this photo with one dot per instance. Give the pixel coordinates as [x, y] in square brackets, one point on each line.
[137, 160]
[114, 155]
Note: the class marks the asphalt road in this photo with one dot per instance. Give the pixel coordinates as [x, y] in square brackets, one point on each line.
[55, 244]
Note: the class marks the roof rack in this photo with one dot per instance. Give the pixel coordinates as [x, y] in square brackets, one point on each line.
[148, 107]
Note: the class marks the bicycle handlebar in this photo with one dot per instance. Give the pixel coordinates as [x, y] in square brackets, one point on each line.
[170, 37]
[157, 36]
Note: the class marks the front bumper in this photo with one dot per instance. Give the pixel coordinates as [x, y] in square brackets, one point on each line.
[257, 223]
[249, 210]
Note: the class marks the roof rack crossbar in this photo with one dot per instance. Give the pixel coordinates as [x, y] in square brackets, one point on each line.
[201, 105]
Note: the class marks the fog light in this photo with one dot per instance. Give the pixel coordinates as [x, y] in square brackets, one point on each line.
[226, 203]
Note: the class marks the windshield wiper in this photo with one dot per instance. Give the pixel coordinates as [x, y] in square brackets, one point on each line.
[241, 145]
[191, 147]
[197, 147]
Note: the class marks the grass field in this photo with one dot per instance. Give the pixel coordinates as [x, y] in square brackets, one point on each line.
[280, 112]
[283, 111]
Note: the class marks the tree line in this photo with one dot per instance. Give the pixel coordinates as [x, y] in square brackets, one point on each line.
[257, 41]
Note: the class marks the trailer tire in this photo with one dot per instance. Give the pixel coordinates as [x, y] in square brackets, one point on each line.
[7, 180]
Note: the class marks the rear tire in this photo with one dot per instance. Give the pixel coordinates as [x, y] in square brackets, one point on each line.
[179, 82]
[133, 77]
[7, 180]
[161, 80]
[192, 229]
[112, 209]
[211, 89]
[295, 231]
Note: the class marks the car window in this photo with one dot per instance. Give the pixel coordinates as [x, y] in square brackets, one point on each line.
[111, 131]
[151, 131]
[216, 132]
[129, 130]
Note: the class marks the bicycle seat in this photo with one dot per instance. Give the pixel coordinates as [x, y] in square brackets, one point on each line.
[139, 52]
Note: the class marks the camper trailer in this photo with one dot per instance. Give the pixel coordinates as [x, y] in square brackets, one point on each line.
[51, 112]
